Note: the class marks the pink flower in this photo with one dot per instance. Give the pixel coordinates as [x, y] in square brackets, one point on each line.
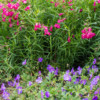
[94, 3]
[59, 21]
[16, 6]
[51, 2]
[10, 25]
[63, 1]
[87, 33]
[71, 9]
[81, 10]
[10, 6]
[51, 27]
[4, 19]
[98, 1]
[17, 23]
[24, 1]
[69, 39]
[56, 4]
[11, 13]
[69, 1]
[46, 32]
[61, 14]
[27, 8]
[37, 25]
[1, 5]
[10, 20]
[16, 16]
[57, 26]
[70, 4]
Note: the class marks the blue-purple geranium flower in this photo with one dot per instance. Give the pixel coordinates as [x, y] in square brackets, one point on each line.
[47, 94]
[94, 61]
[24, 62]
[79, 70]
[67, 77]
[30, 83]
[39, 80]
[19, 90]
[40, 59]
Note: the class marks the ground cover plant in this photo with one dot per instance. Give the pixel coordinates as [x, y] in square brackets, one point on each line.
[64, 34]
[82, 84]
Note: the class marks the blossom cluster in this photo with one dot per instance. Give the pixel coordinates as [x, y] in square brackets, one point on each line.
[87, 33]
[11, 11]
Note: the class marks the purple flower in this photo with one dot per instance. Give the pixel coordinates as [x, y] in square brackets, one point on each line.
[67, 77]
[81, 96]
[95, 98]
[3, 88]
[40, 59]
[42, 94]
[94, 61]
[17, 85]
[24, 62]
[91, 75]
[83, 82]
[94, 82]
[97, 91]
[17, 78]
[30, 83]
[56, 71]
[39, 80]
[39, 73]
[79, 70]
[62, 88]
[10, 83]
[50, 68]
[47, 94]
[19, 90]
[77, 80]
[95, 69]
[6, 95]
[85, 99]
[72, 71]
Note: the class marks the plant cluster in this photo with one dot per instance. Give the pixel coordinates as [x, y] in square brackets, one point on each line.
[80, 84]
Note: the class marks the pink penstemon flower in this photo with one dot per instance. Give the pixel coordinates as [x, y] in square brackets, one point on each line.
[10, 25]
[51, 2]
[16, 16]
[51, 27]
[61, 14]
[56, 4]
[70, 4]
[57, 26]
[87, 33]
[98, 1]
[1, 5]
[11, 13]
[94, 3]
[63, 1]
[68, 39]
[10, 20]
[71, 9]
[46, 32]
[37, 25]
[27, 8]
[4, 19]
[59, 21]
[17, 23]
[24, 1]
